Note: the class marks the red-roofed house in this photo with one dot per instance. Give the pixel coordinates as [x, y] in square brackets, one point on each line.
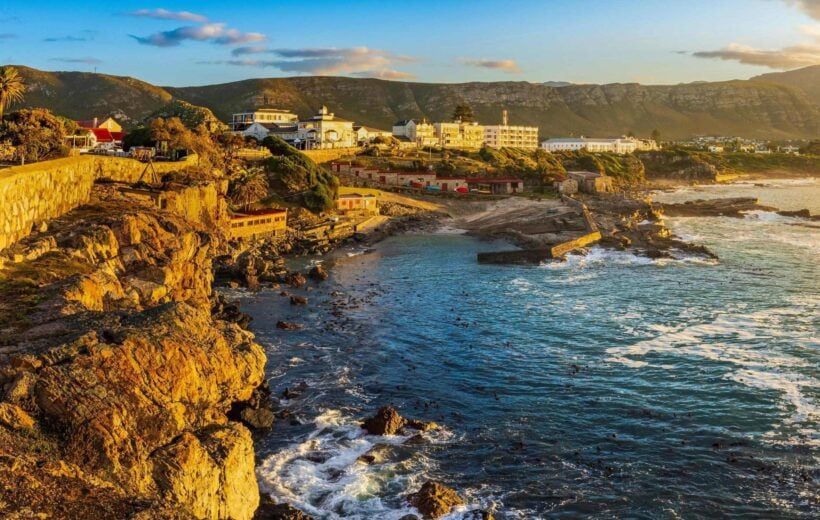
[105, 132]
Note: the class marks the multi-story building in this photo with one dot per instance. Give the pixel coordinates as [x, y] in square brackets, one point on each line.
[241, 121]
[420, 132]
[325, 130]
[504, 135]
[620, 146]
[459, 135]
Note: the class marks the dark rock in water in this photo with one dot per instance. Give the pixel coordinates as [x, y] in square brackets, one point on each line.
[286, 325]
[296, 391]
[434, 500]
[257, 412]
[409, 517]
[298, 300]
[387, 421]
[268, 510]
[730, 207]
[295, 279]
[657, 253]
[318, 273]
[479, 514]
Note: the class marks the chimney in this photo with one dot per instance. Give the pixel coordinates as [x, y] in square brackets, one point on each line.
[504, 118]
[95, 122]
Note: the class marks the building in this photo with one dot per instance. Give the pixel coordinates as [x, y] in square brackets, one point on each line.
[459, 135]
[259, 131]
[325, 130]
[621, 146]
[565, 186]
[457, 184]
[259, 223]
[242, 120]
[789, 149]
[592, 182]
[504, 135]
[97, 133]
[357, 203]
[421, 132]
[496, 186]
[715, 148]
[366, 134]
[109, 123]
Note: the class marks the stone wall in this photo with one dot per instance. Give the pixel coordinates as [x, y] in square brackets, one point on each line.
[33, 194]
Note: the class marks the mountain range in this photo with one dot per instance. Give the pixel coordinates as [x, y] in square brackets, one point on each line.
[772, 106]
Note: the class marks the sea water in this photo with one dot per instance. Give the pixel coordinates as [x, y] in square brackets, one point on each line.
[606, 386]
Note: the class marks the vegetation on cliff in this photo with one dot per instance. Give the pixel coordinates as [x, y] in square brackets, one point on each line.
[295, 176]
[36, 134]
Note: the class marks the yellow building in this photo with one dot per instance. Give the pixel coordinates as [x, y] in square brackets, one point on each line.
[459, 135]
[259, 223]
[355, 202]
[109, 123]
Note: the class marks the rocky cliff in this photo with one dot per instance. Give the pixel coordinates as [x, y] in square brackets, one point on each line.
[115, 378]
[766, 108]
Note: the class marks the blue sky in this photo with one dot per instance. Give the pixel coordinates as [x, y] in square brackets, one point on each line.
[582, 41]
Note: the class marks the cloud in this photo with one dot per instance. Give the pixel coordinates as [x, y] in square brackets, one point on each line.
[87, 60]
[509, 66]
[164, 14]
[323, 61]
[810, 7]
[792, 57]
[213, 32]
[7, 36]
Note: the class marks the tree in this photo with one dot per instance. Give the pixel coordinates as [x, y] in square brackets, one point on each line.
[813, 148]
[36, 134]
[249, 185]
[464, 113]
[172, 135]
[11, 88]
[656, 135]
[140, 136]
[293, 172]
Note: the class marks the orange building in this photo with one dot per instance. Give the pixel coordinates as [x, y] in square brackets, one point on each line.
[259, 223]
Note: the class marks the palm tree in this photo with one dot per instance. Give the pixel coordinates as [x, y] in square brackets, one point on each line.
[11, 88]
[248, 186]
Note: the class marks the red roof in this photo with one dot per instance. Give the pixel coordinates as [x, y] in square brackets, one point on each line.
[102, 135]
[118, 136]
[492, 180]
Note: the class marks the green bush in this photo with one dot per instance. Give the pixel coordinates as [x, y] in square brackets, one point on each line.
[295, 174]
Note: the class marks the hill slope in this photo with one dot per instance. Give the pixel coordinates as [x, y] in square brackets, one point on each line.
[760, 109]
[807, 79]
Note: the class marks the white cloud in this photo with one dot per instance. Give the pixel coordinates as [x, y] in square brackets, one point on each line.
[792, 57]
[164, 14]
[212, 32]
[810, 7]
[509, 66]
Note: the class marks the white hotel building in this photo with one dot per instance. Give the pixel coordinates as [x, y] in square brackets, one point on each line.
[504, 135]
[620, 146]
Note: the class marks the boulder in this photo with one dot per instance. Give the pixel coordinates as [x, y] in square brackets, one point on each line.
[434, 500]
[298, 300]
[270, 511]
[318, 273]
[295, 279]
[388, 421]
[286, 325]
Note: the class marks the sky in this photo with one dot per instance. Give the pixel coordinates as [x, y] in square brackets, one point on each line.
[183, 43]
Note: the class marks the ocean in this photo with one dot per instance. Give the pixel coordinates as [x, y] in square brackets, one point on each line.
[606, 386]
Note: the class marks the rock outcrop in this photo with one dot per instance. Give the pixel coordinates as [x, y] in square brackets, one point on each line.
[387, 421]
[434, 500]
[118, 370]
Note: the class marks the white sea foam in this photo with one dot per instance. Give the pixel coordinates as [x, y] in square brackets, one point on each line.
[321, 475]
[743, 342]
[598, 257]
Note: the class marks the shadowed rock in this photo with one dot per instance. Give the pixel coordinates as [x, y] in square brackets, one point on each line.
[434, 500]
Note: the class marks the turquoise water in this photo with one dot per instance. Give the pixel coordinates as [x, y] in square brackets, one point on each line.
[608, 386]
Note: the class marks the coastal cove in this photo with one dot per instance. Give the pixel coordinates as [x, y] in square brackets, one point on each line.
[608, 385]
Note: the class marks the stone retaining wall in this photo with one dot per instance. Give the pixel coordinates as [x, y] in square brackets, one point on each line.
[33, 194]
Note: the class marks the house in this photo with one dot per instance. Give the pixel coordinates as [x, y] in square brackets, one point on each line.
[592, 182]
[97, 133]
[357, 203]
[504, 135]
[619, 146]
[259, 223]
[420, 133]
[714, 148]
[459, 135]
[366, 134]
[496, 186]
[325, 130]
[789, 149]
[458, 184]
[259, 131]
[565, 186]
[242, 120]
